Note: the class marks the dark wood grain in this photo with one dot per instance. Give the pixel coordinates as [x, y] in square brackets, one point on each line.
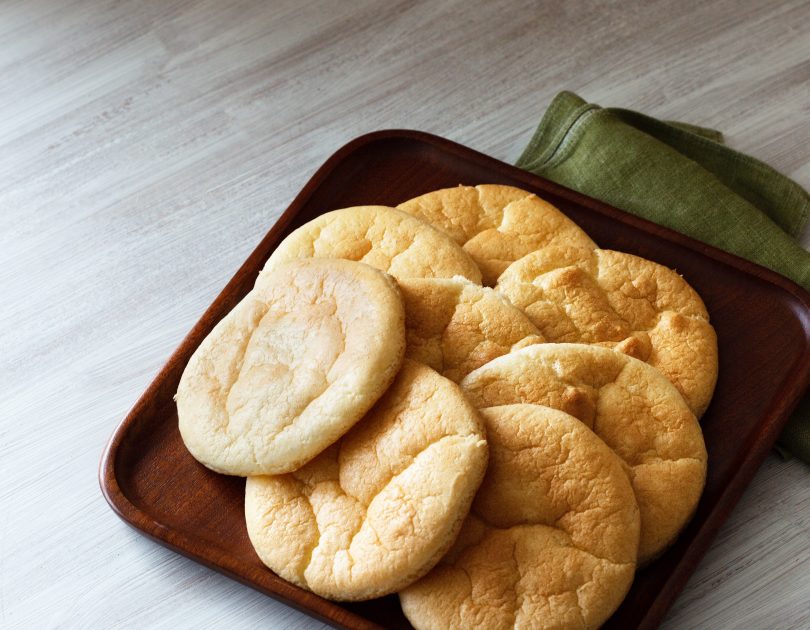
[762, 322]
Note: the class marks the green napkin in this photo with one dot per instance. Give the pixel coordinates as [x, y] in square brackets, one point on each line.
[683, 177]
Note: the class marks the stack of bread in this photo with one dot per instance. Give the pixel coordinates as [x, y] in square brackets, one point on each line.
[463, 400]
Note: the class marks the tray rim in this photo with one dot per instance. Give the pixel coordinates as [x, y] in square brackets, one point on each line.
[785, 398]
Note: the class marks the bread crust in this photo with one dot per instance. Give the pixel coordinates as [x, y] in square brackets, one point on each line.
[614, 299]
[383, 237]
[378, 509]
[630, 405]
[552, 537]
[455, 326]
[495, 224]
[292, 367]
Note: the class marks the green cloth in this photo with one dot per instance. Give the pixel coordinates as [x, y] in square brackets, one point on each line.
[683, 177]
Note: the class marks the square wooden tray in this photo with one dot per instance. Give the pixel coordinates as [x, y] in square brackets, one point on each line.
[762, 322]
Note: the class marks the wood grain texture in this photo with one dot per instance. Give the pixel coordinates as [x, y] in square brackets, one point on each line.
[145, 148]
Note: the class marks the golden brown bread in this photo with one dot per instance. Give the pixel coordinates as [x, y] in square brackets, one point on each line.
[641, 308]
[556, 528]
[552, 537]
[627, 403]
[496, 225]
[455, 326]
[382, 237]
[377, 510]
[292, 367]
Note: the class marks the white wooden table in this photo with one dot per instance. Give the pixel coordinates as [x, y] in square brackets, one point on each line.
[145, 147]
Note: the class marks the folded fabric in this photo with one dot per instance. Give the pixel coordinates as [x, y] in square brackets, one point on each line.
[683, 177]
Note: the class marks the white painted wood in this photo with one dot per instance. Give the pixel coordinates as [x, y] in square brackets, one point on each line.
[145, 147]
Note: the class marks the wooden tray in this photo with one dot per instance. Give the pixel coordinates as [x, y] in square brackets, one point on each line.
[763, 328]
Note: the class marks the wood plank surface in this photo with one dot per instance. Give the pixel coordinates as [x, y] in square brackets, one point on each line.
[146, 147]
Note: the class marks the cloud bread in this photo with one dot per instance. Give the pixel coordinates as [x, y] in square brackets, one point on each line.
[382, 237]
[377, 510]
[552, 537]
[292, 367]
[627, 403]
[639, 307]
[496, 225]
[455, 326]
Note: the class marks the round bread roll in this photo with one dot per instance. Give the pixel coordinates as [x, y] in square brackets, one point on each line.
[456, 326]
[377, 510]
[495, 224]
[382, 237]
[636, 306]
[627, 403]
[292, 367]
[552, 537]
